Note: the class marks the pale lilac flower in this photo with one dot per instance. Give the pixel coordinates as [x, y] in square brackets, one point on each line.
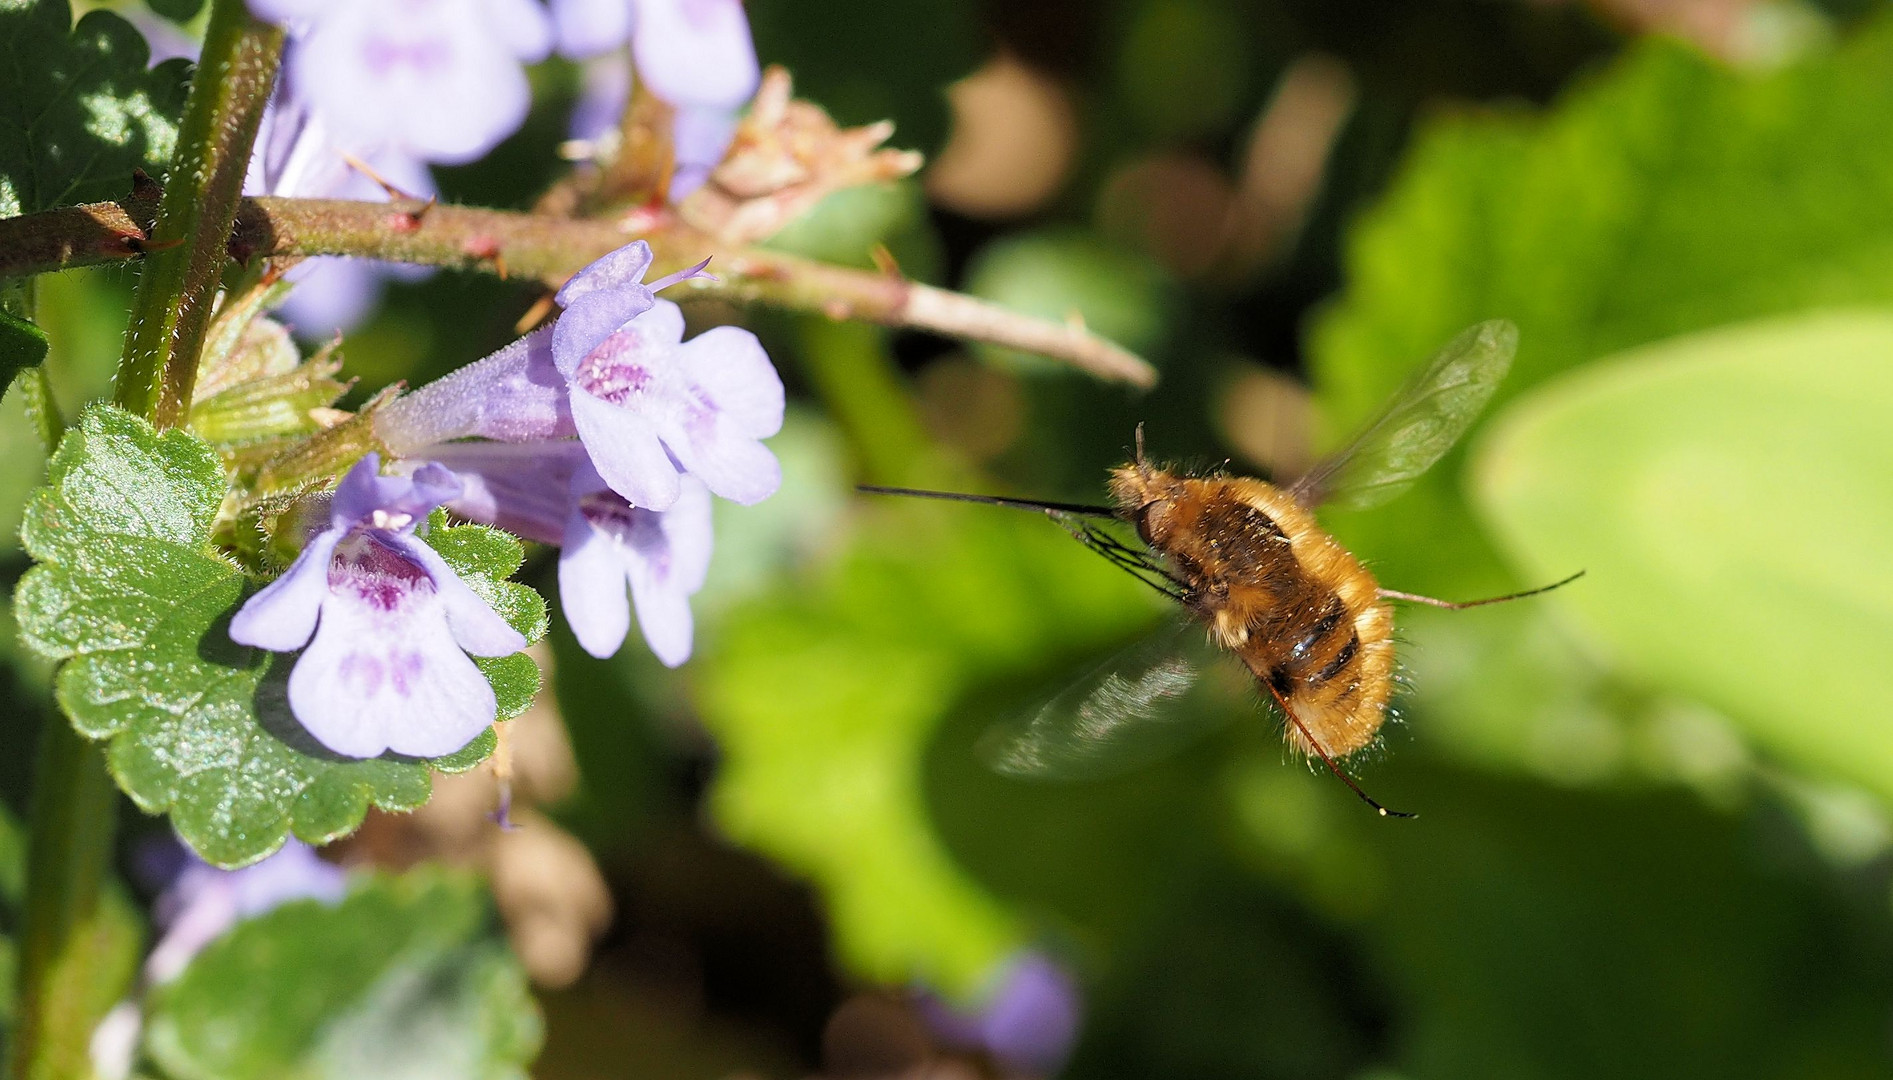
[650, 406]
[663, 556]
[1028, 1023]
[696, 55]
[202, 902]
[439, 79]
[550, 492]
[615, 370]
[390, 619]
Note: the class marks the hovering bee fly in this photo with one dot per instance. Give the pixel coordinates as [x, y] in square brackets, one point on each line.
[1247, 559]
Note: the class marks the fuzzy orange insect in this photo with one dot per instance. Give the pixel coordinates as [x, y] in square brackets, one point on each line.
[1248, 559]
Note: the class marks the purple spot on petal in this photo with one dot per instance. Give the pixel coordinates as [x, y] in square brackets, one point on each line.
[404, 669]
[425, 57]
[381, 577]
[630, 527]
[608, 373]
[360, 674]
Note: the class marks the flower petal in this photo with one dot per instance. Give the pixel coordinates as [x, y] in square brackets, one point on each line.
[729, 363]
[282, 616]
[514, 395]
[589, 27]
[604, 89]
[593, 317]
[363, 491]
[615, 270]
[689, 533]
[523, 26]
[475, 625]
[663, 618]
[426, 78]
[734, 465]
[625, 450]
[384, 672]
[696, 52]
[592, 588]
[520, 487]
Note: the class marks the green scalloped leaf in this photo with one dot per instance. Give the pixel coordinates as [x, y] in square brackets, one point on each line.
[78, 109]
[404, 977]
[1731, 494]
[132, 595]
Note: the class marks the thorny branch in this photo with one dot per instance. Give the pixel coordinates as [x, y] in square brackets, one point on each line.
[549, 249]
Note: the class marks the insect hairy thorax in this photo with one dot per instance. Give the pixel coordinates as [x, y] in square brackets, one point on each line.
[1276, 590]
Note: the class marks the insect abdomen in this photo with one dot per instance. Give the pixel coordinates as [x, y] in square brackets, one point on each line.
[1331, 656]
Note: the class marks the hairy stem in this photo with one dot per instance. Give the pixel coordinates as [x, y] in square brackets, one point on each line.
[189, 243]
[549, 248]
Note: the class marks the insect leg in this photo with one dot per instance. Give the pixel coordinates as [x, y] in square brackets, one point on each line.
[1394, 594]
[1133, 562]
[1321, 753]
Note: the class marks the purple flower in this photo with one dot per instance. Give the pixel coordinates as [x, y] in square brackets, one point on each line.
[550, 492]
[203, 902]
[439, 79]
[1029, 1023]
[650, 406]
[615, 370]
[695, 55]
[390, 619]
[663, 556]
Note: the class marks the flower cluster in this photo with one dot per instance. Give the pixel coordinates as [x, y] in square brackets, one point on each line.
[661, 424]
[606, 434]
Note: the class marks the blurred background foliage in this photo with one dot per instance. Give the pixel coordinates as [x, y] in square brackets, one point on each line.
[1654, 808]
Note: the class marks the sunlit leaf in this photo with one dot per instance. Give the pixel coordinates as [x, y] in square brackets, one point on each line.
[78, 109]
[1731, 495]
[129, 592]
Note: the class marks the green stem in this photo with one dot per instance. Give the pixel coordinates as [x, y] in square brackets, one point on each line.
[171, 308]
[66, 977]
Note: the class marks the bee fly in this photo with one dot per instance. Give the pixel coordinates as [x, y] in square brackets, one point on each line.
[1247, 559]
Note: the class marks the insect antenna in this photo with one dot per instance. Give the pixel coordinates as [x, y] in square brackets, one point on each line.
[1321, 753]
[1077, 509]
[1457, 605]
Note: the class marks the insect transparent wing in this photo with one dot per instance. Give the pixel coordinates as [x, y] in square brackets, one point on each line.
[1418, 425]
[1140, 705]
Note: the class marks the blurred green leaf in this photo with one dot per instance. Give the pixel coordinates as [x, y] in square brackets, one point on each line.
[1194, 98]
[78, 109]
[404, 977]
[826, 696]
[22, 345]
[177, 10]
[131, 594]
[1731, 494]
[1669, 194]
[1066, 273]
